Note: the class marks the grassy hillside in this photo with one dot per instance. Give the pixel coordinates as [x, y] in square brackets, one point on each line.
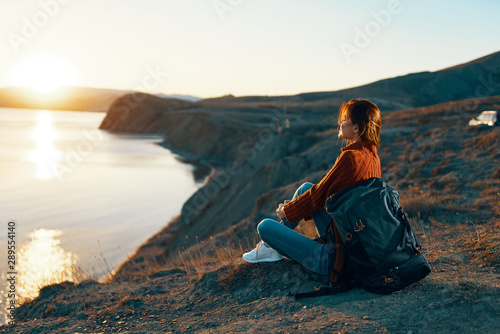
[190, 276]
[445, 170]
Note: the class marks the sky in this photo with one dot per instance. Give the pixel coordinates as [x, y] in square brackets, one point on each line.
[210, 48]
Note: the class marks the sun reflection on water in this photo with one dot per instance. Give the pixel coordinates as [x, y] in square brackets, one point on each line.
[46, 155]
[42, 262]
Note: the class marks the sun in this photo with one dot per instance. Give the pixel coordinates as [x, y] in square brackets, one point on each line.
[44, 72]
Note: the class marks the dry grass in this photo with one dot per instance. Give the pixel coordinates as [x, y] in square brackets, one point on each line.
[307, 228]
[147, 267]
[28, 293]
[204, 256]
[28, 290]
[481, 184]
[489, 197]
[193, 260]
[239, 275]
[420, 203]
[428, 235]
[496, 175]
[438, 171]
[235, 271]
[483, 245]
[128, 304]
[487, 142]
[460, 252]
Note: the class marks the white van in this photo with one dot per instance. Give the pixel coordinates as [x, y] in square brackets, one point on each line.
[490, 117]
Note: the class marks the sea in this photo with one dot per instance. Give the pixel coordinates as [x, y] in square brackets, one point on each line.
[76, 201]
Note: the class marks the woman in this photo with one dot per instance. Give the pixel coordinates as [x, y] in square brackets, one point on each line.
[359, 124]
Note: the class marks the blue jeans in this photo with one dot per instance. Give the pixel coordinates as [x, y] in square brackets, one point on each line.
[282, 237]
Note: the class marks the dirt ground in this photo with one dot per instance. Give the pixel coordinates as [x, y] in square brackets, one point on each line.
[461, 295]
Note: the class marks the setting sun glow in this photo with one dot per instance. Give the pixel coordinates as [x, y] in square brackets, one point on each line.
[45, 73]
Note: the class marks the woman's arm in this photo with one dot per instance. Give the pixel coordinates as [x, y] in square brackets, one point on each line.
[342, 175]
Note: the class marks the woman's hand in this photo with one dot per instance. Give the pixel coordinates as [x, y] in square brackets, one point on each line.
[279, 210]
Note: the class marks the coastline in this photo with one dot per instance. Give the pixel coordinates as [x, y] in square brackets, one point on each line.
[202, 167]
[152, 250]
[190, 277]
[184, 154]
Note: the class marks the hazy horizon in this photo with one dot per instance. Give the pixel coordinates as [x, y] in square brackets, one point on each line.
[194, 96]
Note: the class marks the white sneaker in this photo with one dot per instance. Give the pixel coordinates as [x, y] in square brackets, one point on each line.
[262, 253]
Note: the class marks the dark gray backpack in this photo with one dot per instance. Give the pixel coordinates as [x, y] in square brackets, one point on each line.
[382, 252]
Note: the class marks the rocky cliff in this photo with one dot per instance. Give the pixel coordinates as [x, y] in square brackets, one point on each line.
[255, 167]
[189, 277]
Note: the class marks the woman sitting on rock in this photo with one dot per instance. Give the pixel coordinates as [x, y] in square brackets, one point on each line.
[359, 123]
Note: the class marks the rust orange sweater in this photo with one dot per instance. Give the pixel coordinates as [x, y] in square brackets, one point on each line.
[357, 162]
